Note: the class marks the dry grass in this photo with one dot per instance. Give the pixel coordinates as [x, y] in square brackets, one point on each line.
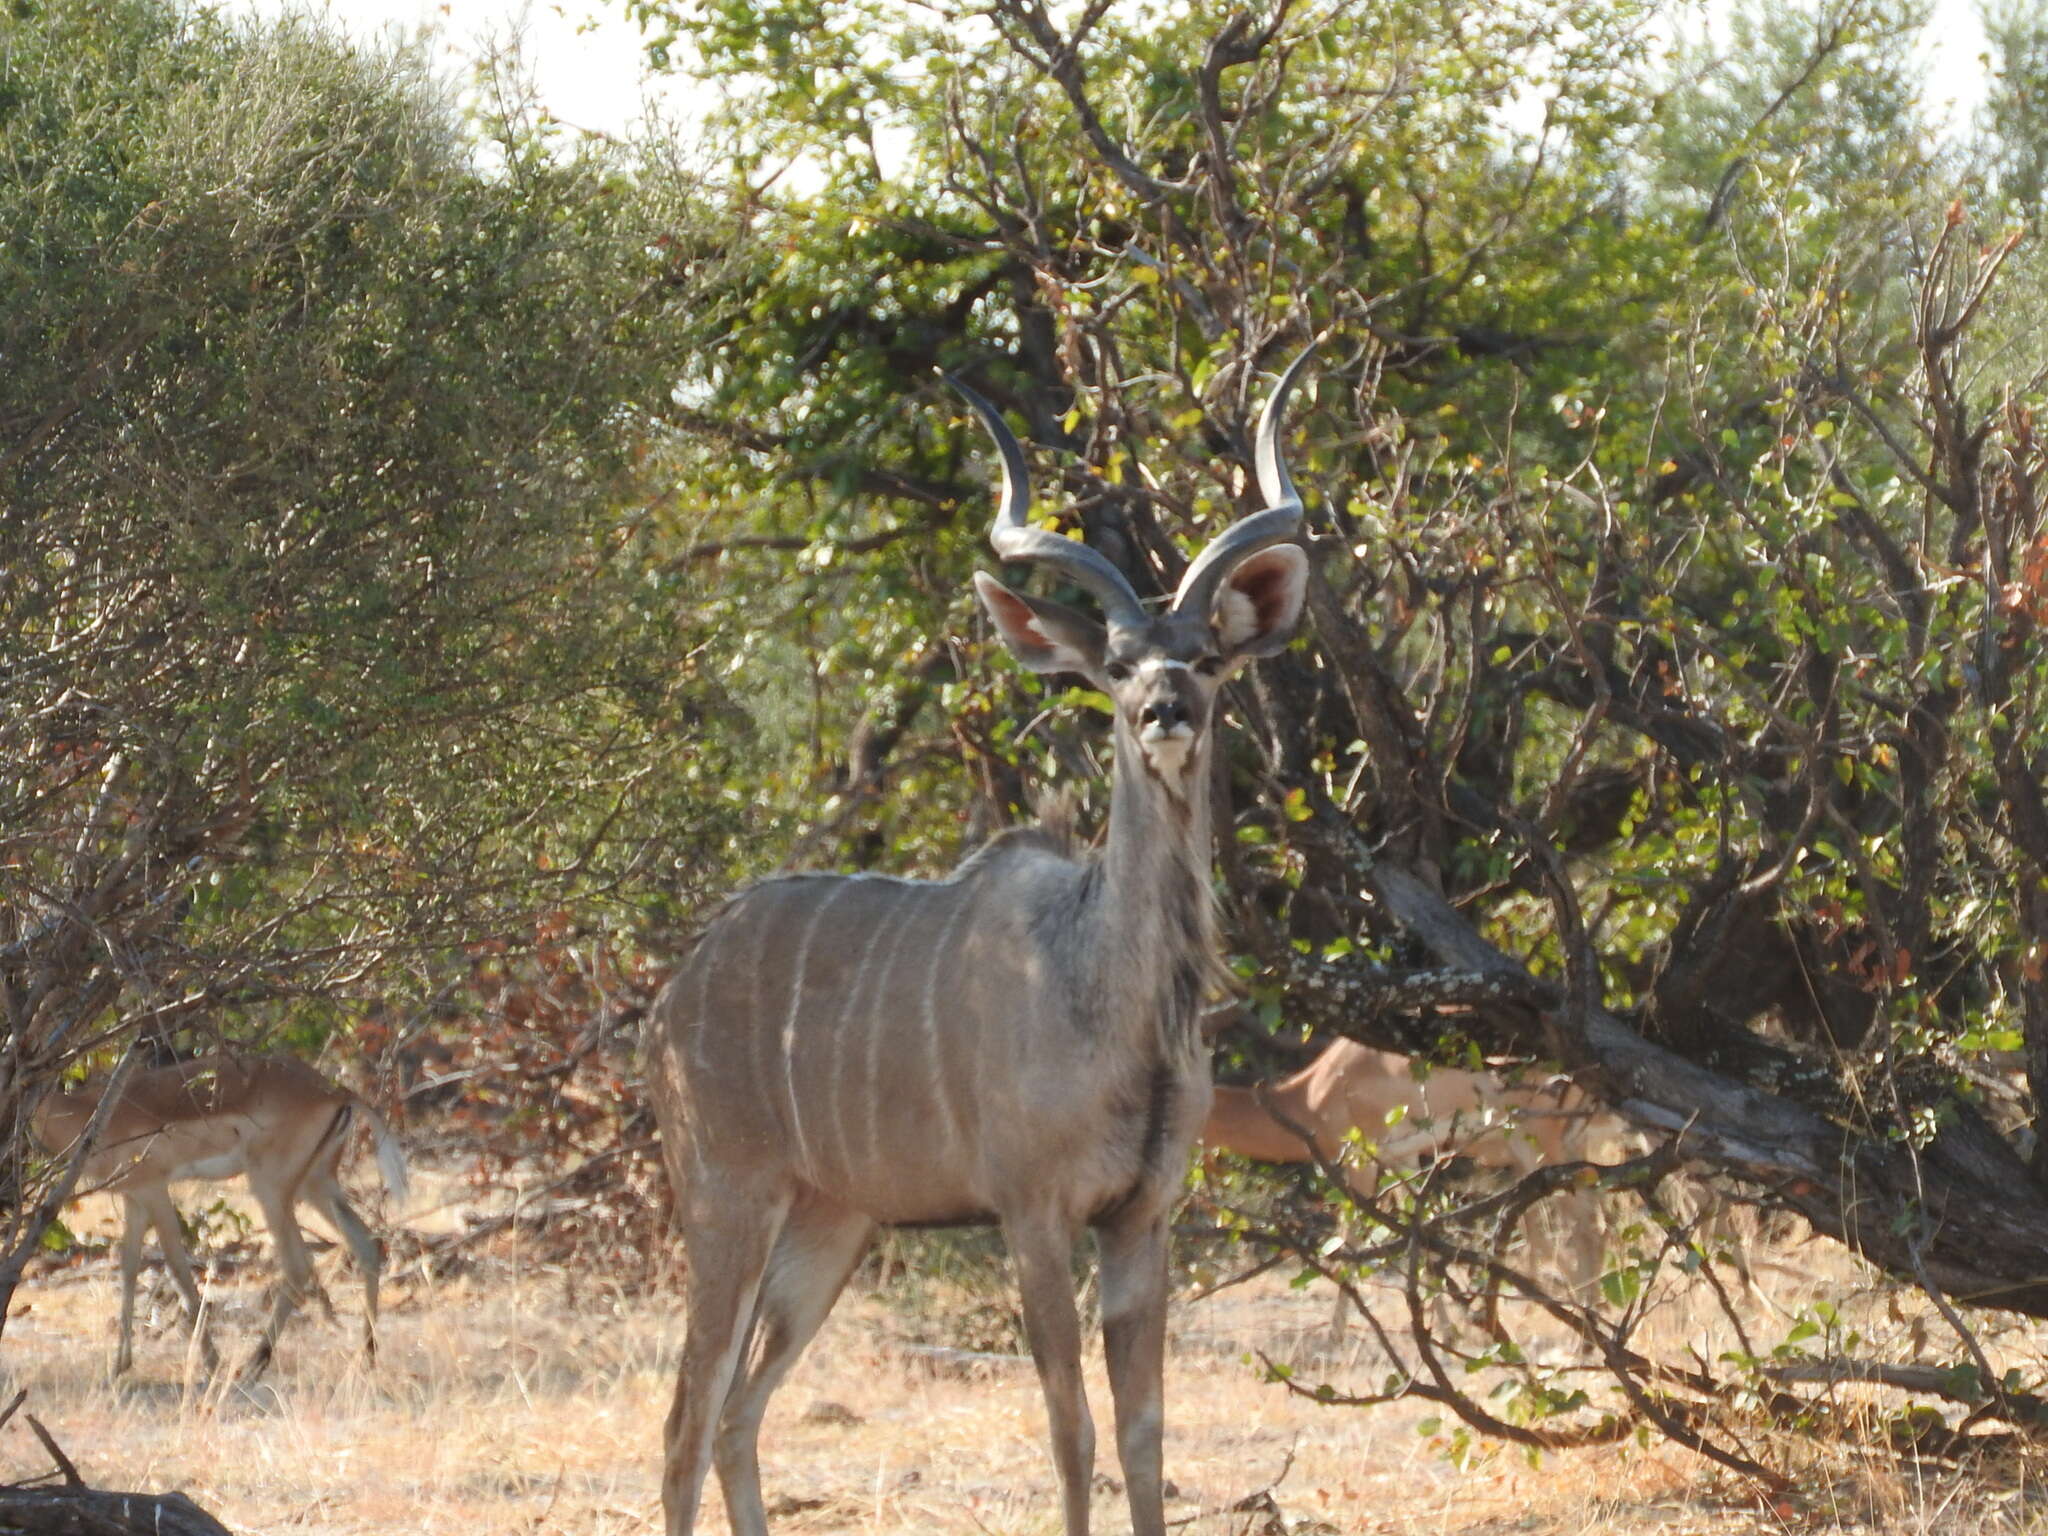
[532, 1402]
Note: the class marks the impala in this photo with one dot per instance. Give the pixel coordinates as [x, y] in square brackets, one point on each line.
[272, 1119]
[1015, 1044]
[1408, 1116]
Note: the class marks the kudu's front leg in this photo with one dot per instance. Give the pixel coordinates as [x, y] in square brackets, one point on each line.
[1134, 1292]
[1043, 1249]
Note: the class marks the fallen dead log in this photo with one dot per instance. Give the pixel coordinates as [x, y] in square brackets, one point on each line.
[1960, 1216]
[68, 1511]
[38, 1507]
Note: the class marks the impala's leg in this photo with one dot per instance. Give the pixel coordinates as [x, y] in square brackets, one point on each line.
[156, 1205]
[323, 1169]
[1565, 1243]
[135, 1220]
[163, 1215]
[296, 1279]
[1043, 1250]
[807, 1269]
[323, 1190]
[728, 1250]
[1134, 1340]
[1584, 1241]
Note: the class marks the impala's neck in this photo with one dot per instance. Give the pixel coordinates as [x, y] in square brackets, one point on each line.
[1153, 929]
[1241, 1122]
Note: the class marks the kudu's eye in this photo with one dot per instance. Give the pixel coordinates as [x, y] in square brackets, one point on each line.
[1118, 671]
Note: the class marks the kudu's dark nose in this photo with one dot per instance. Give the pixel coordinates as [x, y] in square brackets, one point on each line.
[1165, 713]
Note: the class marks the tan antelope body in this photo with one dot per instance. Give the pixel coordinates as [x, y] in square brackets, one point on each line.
[270, 1119]
[1410, 1117]
[1015, 1044]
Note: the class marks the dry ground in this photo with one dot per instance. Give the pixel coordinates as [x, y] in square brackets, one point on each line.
[531, 1401]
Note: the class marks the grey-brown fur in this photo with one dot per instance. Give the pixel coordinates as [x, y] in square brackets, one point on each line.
[1017, 1042]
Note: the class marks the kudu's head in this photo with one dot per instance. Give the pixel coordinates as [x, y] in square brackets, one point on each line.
[1240, 599]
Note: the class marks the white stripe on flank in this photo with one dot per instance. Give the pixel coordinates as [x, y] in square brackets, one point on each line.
[796, 1002]
[871, 1085]
[697, 1072]
[706, 948]
[940, 953]
[836, 1088]
[757, 1027]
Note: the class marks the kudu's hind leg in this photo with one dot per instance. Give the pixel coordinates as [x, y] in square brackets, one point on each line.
[809, 1266]
[1043, 1251]
[728, 1252]
[1134, 1340]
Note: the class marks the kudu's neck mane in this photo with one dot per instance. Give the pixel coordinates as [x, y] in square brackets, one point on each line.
[1151, 926]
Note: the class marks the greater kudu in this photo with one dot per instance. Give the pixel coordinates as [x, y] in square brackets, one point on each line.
[1016, 1043]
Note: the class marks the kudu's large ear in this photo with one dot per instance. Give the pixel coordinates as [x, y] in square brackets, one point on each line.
[1260, 603]
[1045, 636]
